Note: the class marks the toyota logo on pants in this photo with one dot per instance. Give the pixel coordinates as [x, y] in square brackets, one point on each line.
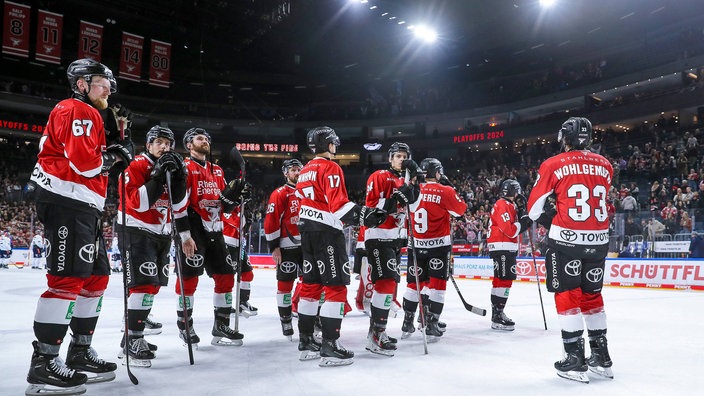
[573, 268]
[287, 267]
[87, 253]
[196, 261]
[595, 275]
[412, 270]
[148, 269]
[307, 266]
[63, 232]
[321, 267]
[347, 267]
[435, 264]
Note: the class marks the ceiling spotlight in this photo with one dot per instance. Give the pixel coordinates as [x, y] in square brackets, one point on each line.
[426, 34]
[547, 3]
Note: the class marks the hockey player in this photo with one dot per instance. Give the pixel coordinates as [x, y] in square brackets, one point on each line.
[431, 212]
[383, 245]
[77, 150]
[231, 233]
[284, 240]
[147, 234]
[508, 220]
[203, 247]
[326, 267]
[5, 250]
[115, 256]
[37, 249]
[577, 246]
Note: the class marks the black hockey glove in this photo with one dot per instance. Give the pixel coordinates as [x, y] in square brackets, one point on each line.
[411, 166]
[118, 119]
[231, 195]
[406, 194]
[525, 222]
[168, 162]
[549, 211]
[123, 149]
[520, 201]
[445, 181]
[371, 217]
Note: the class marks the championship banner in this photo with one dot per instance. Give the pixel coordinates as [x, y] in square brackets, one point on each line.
[15, 38]
[131, 58]
[160, 64]
[49, 31]
[90, 41]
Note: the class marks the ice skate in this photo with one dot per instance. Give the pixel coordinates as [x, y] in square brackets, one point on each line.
[191, 334]
[499, 321]
[139, 350]
[432, 329]
[50, 376]
[223, 335]
[379, 342]
[84, 358]
[407, 327]
[334, 354]
[573, 366]
[600, 362]
[151, 327]
[287, 327]
[247, 309]
[309, 347]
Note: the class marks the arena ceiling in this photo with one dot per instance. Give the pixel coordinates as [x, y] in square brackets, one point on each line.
[321, 41]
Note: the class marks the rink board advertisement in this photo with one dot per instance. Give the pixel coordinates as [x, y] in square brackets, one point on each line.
[655, 273]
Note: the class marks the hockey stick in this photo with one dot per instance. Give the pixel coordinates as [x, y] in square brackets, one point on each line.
[179, 268]
[236, 156]
[537, 278]
[415, 269]
[469, 307]
[125, 260]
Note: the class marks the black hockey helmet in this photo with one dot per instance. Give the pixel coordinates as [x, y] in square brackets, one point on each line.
[162, 132]
[86, 69]
[290, 163]
[193, 132]
[320, 137]
[510, 188]
[576, 132]
[397, 147]
[430, 166]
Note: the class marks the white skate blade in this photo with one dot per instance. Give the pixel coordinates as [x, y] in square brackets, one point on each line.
[289, 337]
[375, 349]
[309, 355]
[579, 376]
[152, 331]
[94, 378]
[243, 314]
[223, 341]
[602, 371]
[406, 334]
[334, 362]
[146, 363]
[193, 344]
[499, 326]
[43, 389]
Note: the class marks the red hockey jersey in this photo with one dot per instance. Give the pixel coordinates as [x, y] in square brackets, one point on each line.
[380, 185]
[205, 182]
[581, 181]
[281, 220]
[503, 227]
[431, 215]
[231, 227]
[324, 201]
[155, 218]
[70, 154]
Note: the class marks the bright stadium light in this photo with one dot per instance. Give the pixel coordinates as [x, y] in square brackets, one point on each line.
[425, 33]
[547, 3]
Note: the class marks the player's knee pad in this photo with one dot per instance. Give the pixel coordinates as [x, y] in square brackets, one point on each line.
[592, 302]
[385, 286]
[336, 293]
[567, 302]
[505, 283]
[247, 276]
[189, 286]
[224, 282]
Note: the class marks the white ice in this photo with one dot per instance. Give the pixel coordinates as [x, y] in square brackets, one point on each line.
[654, 340]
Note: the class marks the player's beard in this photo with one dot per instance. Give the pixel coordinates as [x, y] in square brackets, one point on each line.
[100, 103]
[203, 149]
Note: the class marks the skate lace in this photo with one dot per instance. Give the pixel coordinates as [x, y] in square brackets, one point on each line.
[57, 366]
[92, 355]
[139, 345]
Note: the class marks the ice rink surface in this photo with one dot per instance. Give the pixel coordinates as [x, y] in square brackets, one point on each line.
[654, 339]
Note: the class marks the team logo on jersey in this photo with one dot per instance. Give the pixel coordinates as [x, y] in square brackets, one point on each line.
[412, 270]
[148, 268]
[573, 268]
[595, 275]
[568, 235]
[347, 268]
[63, 232]
[522, 268]
[196, 261]
[87, 253]
[435, 264]
[307, 266]
[287, 267]
[321, 267]
[393, 265]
